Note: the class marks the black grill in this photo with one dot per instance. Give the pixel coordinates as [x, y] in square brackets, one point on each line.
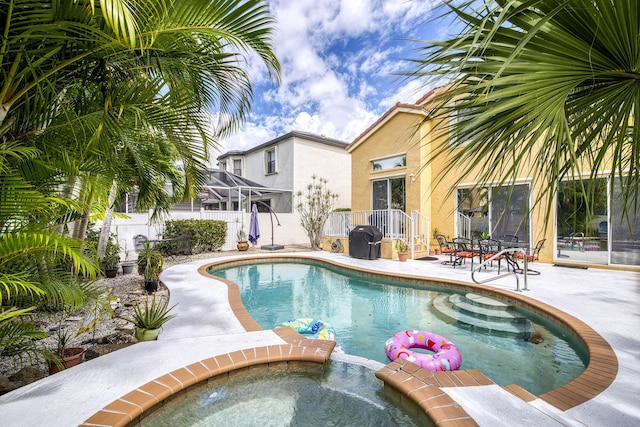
[364, 242]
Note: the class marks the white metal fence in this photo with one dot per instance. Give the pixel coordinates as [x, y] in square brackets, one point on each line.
[286, 228]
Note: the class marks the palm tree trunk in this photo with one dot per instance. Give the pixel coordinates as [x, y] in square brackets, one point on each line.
[106, 222]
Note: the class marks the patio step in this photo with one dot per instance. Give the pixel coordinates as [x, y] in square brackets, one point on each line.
[482, 314]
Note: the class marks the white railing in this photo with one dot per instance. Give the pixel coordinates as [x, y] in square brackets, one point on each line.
[464, 225]
[503, 252]
[421, 230]
[392, 223]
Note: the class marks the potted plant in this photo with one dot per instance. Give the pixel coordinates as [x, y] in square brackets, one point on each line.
[149, 319]
[150, 262]
[96, 303]
[241, 238]
[64, 356]
[403, 250]
[127, 265]
[434, 242]
[111, 258]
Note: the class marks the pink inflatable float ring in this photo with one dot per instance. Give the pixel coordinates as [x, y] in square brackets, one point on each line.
[445, 357]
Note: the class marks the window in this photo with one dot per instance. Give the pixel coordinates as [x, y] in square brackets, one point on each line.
[237, 167]
[270, 161]
[625, 230]
[223, 166]
[389, 163]
[264, 206]
[459, 118]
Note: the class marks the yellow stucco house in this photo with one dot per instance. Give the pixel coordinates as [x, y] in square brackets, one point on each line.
[390, 175]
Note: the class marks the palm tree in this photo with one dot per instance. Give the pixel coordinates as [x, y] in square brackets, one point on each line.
[199, 47]
[158, 63]
[91, 97]
[563, 72]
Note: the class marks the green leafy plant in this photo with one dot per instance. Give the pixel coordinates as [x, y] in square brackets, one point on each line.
[401, 246]
[150, 262]
[112, 251]
[241, 234]
[111, 256]
[153, 315]
[205, 235]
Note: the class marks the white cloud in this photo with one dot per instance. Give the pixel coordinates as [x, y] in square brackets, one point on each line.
[327, 87]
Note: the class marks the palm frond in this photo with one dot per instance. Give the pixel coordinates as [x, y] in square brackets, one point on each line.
[543, 88]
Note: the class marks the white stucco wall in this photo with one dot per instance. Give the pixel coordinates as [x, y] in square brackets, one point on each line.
[297, 161]
[255, 169]
[323, 161]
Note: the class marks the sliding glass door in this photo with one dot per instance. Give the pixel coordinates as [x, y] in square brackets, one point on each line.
[500, 212]
[625, 231]
[592, 226]
[389, 193]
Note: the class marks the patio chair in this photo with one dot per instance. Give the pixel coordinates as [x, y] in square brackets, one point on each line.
[139, 242]
[446, 248]
[462, 250]
[534, 254]
[488, 249]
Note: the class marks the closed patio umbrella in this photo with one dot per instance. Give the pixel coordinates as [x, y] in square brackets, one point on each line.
[254, 227]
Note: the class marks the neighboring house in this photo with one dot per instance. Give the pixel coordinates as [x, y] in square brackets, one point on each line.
[287, 164]
[389, 171]
[268, 175]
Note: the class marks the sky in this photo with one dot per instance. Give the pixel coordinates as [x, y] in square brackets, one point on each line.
[340, 61]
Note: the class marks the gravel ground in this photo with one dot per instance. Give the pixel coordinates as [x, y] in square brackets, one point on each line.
[110, 334]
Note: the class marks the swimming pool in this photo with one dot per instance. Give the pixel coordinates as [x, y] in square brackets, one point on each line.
[366, 310]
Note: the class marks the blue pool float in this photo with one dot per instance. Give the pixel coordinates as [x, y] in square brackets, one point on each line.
[310, 328]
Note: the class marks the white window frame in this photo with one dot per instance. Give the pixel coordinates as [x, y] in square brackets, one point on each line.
[273, 150]
[456, 117]
[381, 161]
[235, 171]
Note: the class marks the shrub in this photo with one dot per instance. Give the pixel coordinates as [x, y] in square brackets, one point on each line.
[206, 235]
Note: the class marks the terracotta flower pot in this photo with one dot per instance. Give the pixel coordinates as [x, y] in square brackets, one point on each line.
[242, 246]
[71, 356]
[402, 256]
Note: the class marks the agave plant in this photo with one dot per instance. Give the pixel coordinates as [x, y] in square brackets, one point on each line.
[153, 315]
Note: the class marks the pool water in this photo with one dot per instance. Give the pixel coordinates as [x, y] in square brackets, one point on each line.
[340, 394]
[366, 311]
